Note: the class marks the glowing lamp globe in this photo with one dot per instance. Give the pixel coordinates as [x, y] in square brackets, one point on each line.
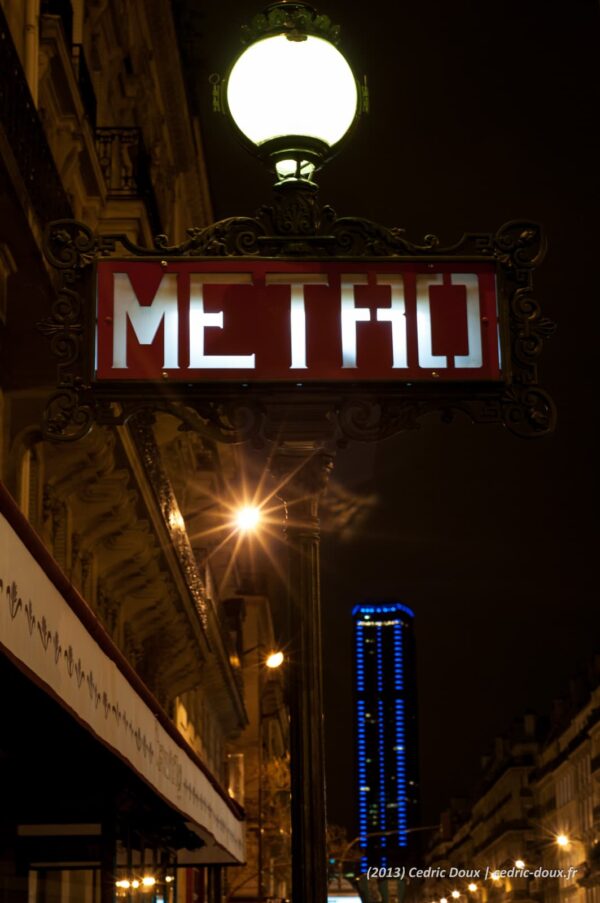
[291, 92]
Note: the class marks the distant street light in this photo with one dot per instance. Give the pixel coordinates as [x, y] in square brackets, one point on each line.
[569, 841]
[274, 660]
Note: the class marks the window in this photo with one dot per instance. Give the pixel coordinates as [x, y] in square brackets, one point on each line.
[30, 484]
[7, 268]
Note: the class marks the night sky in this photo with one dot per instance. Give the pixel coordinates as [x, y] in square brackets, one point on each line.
[480, 113]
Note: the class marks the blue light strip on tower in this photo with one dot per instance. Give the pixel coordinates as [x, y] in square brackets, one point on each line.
[362, 771]
[379, 637]
[398, 670]
[392, 608]
[401, 772]
[360, 660]
[382, 792]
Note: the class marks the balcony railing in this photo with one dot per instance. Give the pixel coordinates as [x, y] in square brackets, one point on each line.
[25, 134]
[126, 169]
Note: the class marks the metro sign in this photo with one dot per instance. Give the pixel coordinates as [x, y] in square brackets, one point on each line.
[261, 320]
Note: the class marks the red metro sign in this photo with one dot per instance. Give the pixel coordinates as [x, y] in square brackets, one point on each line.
[261, 320]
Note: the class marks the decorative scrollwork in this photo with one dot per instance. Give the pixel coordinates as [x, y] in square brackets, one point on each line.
[71, 245]
[369, 419]
[292, 213]
[295, 224]
[296, 19]
[247, 418]
[65, 327]
[357, 237]
[529, 329]
[374, 418]
[230, 421]
[66, 418]
[233, 237]
[528, 412]
[520, 246]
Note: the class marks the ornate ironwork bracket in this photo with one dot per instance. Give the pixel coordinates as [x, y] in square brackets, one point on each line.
[296, 225]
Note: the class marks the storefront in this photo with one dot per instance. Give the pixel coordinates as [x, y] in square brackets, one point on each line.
[101, 794]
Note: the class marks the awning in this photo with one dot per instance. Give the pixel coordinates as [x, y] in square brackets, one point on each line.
[52, 635]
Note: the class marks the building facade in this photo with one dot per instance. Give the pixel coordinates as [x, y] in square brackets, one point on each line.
[264, 750]
[532, 831]
[122, 611]
[386, 730]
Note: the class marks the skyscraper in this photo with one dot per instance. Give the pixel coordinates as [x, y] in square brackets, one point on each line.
[386, 730]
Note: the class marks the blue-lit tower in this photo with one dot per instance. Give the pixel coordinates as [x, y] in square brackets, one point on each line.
[386, 730]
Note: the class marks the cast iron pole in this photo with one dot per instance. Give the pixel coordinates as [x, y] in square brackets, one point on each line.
[303, 471]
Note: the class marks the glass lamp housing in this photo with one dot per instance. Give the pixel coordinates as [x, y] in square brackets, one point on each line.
[293, 98]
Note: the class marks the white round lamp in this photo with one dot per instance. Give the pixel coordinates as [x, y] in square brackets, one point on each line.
[291, 92]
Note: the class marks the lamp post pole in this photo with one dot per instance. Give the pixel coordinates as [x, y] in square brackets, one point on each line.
[302, 471]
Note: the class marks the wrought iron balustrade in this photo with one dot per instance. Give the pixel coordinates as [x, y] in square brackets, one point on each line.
[126, 168]
[25, 134]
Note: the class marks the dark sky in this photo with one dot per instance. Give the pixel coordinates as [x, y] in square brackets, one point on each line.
[481, 113]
